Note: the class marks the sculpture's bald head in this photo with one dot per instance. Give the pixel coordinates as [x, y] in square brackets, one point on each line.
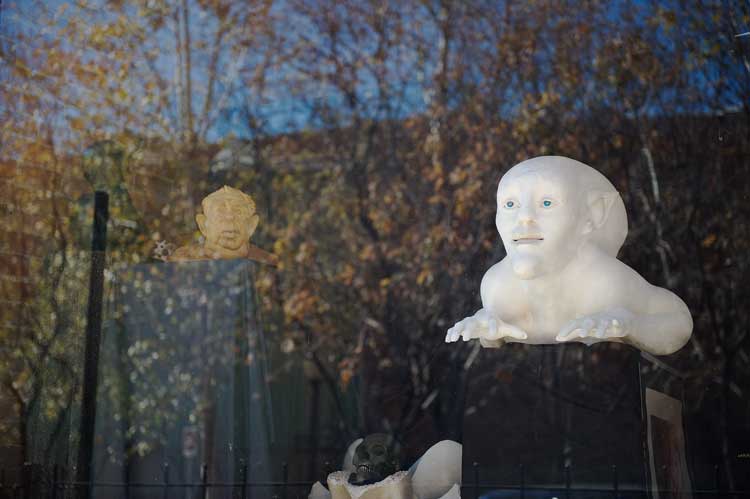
[549, 206]
[229, 194]
[228, 219]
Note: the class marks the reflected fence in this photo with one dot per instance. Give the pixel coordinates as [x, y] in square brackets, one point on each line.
[33, 481]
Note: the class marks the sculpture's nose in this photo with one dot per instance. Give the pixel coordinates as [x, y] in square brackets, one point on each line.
[527, 213]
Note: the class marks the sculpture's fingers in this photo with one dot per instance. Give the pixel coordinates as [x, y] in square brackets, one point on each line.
[456, 330]
[469, 330]
[588, 325]
[509, 330]
[601, 329]
[451, 336]
[616, 329]
[460, 326]
[573, 335]
[568, 331]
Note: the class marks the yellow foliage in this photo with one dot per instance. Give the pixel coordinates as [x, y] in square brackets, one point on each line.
[345, 376]
[367, 253]
[299, 304]
[709, 240]
[347, 274]
[425, 276]
[77, 123]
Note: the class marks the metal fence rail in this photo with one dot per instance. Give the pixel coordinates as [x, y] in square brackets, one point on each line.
[33, 481]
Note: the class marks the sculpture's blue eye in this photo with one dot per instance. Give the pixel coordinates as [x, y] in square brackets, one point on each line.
[509, 204]
[547, 203]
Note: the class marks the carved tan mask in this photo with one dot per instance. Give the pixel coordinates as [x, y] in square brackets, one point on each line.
[228, 223]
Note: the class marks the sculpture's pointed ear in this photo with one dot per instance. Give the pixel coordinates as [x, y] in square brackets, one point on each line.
[254, 224]
[600, 204]
[200, 219]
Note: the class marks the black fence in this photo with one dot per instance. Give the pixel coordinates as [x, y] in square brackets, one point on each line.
[38, 482]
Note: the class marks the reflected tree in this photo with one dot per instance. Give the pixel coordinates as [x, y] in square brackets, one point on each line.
[373, 135]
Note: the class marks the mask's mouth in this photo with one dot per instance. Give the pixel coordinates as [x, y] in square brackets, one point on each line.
[230, 233]
[363, 469]
[532, 239]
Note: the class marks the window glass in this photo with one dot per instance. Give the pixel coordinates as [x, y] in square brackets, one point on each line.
[297, 199]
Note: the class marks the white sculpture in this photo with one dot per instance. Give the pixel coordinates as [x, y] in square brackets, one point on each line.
[436, 475]
[438, 472]
[562, 224]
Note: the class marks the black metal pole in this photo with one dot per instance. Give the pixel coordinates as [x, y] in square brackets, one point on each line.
[165, 471]
[314, 429]
[717, 480]
[93, 340]
[615, 482]
[27, 480]
[244, 480]
[475, 465]
[204, 481]
[285, 477]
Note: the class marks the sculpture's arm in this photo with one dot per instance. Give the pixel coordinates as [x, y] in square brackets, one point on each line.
[665, 328]
[257, 254]
[650, 318]
[184, 254]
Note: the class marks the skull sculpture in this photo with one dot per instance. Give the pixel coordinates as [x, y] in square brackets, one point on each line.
[374, 460]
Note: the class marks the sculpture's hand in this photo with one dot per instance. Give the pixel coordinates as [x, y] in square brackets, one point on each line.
[615, 323]
[486, 327]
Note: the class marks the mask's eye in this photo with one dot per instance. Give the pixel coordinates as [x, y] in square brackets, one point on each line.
[547, 203]
[510, 204]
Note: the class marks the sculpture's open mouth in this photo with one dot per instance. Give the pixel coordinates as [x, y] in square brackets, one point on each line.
[230, 233]
[528, 240]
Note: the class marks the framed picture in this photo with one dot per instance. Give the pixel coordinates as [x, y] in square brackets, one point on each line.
[670, 478]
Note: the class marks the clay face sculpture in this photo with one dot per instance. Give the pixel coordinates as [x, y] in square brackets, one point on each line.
[227, 223]
[374, 460]
[562, 224]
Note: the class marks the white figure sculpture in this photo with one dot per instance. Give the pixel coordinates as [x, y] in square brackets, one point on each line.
[562, 224]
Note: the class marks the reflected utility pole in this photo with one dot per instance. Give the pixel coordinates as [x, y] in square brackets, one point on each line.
[93, 341]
